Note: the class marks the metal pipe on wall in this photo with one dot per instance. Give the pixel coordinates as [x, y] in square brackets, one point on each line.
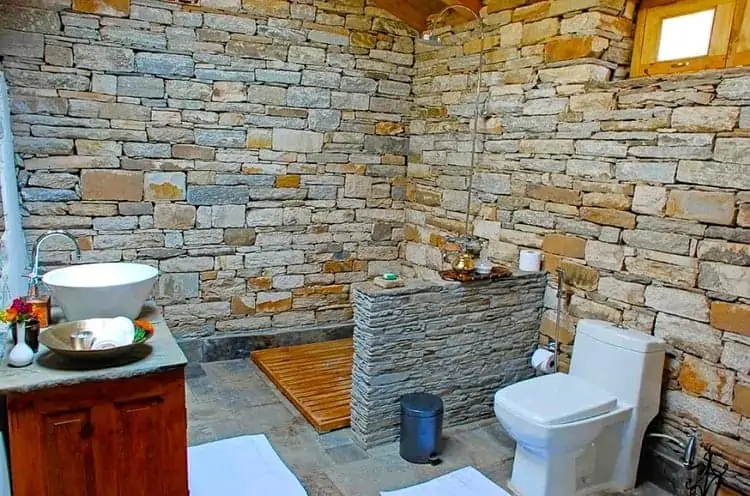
[429, 38]
[13, 239]
[558, 316]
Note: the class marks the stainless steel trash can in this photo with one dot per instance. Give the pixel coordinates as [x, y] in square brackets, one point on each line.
[421, 427]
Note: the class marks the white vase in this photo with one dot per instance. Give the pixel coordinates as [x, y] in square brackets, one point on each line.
[21, 354]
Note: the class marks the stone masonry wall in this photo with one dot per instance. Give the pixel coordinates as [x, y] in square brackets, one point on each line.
[461, 342]
[639, 190]
[254, 152]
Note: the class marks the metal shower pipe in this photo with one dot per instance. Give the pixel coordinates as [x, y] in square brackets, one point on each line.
[430, 38]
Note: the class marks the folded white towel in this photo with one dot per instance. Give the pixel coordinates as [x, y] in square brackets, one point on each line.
[467, 481]
[240, 466]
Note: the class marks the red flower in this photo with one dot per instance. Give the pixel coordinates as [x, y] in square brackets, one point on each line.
[19, 311]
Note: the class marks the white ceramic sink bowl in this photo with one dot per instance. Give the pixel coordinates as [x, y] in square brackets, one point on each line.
[101, 290]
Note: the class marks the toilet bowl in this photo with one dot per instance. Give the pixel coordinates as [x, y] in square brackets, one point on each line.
[581, 432]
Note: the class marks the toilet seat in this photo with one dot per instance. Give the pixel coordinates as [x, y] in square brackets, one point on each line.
[555, 399]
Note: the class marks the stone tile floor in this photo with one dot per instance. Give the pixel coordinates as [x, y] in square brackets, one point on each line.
[233, 398]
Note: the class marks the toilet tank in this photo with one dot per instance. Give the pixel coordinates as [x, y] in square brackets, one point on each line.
[625, 362]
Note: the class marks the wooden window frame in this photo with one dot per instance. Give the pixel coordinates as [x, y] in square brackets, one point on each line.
[739, 49]
[729, 44]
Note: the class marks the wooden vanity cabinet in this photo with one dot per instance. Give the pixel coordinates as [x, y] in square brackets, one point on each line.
[123, 437]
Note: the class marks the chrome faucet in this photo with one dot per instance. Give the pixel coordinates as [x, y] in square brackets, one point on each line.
[34, 274]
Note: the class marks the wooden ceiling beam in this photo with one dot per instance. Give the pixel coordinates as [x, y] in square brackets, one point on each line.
[406, 12]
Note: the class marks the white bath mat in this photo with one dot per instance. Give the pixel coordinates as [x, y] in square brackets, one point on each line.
[240, 466]
[467, 481]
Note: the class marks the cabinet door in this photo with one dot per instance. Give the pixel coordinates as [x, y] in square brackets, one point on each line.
[68, 454]
[54, 453]
[150, 442]
[116, 438]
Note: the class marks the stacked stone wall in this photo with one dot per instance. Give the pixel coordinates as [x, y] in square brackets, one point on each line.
[637, 189]
[254, 152]
[461, 342]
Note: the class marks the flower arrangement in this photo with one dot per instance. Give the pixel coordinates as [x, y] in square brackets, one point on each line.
[20, 311]
[142, 329]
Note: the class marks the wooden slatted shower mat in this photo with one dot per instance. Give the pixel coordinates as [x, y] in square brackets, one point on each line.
[316, 378]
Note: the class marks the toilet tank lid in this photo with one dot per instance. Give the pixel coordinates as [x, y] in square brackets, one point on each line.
[620, 336]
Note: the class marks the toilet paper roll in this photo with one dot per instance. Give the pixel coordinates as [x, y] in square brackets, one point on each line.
[543, 361]
[530, 261]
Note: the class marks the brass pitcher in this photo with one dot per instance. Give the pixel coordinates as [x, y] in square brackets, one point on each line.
[461, 261]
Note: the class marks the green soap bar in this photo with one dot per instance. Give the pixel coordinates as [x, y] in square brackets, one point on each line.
[390, 276]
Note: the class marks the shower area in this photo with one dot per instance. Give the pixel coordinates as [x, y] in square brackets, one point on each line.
[459, 340]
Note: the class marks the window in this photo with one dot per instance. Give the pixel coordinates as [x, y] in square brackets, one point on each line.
[690, 35]
[674, 46]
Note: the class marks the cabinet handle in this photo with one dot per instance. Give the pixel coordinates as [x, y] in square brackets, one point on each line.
[87, 430]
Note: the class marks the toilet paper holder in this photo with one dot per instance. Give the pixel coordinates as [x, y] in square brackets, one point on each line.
[554, 346]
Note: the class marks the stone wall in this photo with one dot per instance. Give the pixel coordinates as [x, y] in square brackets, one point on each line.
[461, 342]
[637, 189]
[254, 152]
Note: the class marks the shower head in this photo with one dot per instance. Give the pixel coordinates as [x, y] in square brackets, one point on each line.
[429, 38]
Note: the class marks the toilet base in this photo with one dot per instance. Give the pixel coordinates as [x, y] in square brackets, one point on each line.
[536, 476]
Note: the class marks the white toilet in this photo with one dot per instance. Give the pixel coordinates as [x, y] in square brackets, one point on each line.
[581, 432]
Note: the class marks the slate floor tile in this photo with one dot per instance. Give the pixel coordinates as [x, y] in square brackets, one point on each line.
[233, 398]
[346, 453]
[318, 484]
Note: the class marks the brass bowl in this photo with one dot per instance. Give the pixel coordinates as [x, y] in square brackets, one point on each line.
[59, 339]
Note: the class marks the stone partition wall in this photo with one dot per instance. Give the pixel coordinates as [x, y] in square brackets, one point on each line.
[254, 152]
[638, 189]
[461, 342]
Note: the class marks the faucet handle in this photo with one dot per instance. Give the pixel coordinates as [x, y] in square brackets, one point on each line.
[35, 280]
[691, 449]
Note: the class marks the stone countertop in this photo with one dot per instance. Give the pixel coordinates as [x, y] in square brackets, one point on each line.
[49, 370]
[416, 285]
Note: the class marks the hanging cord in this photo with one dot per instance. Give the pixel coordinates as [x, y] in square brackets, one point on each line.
[711, 479]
